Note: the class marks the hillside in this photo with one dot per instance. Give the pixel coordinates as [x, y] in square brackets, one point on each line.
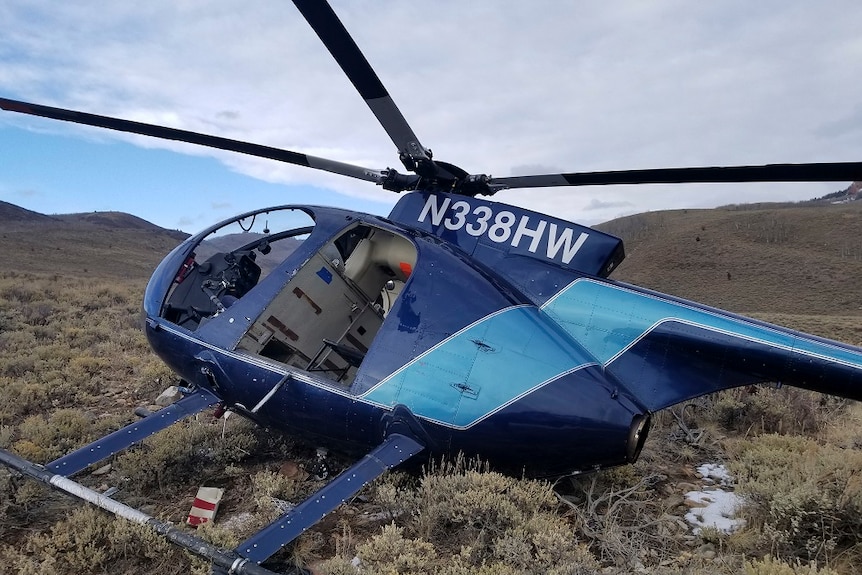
[117, 220]
[785, 259]
[12, 213]
[98, 244]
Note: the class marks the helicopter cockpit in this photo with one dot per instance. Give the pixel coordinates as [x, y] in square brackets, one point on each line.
[229, 260]
[326, 308]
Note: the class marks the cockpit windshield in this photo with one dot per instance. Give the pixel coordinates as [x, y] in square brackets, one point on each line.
[229, 259]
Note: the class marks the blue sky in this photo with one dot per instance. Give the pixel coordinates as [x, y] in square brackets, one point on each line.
[68, 173]
[499, 87]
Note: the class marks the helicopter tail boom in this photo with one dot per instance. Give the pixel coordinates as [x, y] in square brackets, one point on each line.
[667, 350]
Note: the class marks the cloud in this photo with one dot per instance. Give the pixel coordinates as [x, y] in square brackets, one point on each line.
[849, 125]
[596, 204]
[541, 86]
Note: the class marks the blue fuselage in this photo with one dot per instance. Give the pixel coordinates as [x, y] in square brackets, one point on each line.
[501, 337]
[463, 360]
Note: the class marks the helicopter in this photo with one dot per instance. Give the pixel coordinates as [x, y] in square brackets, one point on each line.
[456, 324]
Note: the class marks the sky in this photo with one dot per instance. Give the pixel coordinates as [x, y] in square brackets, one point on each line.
[495, 87]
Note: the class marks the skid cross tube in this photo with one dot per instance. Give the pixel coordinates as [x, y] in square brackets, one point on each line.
[227, 561]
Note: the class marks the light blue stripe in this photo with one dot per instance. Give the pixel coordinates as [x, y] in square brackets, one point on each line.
[494, 361]
[606, 319]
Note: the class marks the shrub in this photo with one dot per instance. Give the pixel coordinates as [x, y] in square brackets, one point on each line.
[186, 451]
[770, 566]
[765, 409]
[89, 541]
[480, 521]
[37, 314]
[390, 552]
[616, 512]
[48, 437]
[267, 485]
[804, 498]
[6, 495]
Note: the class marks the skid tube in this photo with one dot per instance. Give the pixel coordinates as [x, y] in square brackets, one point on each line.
[223, 561]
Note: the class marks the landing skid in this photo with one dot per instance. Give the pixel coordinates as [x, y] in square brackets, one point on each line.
[245, 559]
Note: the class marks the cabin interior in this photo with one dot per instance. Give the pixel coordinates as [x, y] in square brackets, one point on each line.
[328, 314]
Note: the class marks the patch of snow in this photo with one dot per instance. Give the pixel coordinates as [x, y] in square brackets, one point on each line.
[714, 507]
[281, 505]
[718, 511]
[715, 472]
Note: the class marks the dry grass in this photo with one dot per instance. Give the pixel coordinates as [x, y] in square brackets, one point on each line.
[86, 247]
[74, 364]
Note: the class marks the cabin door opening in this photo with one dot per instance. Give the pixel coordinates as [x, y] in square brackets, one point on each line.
[327, 315]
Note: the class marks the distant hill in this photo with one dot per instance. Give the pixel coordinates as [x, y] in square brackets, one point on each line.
[781, 262]
[99, 244]
[117, 220]
[12, 213]
[783, 258]
[280, 249]
[223, 243]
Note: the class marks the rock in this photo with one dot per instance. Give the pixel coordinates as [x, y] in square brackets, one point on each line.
[102, 470]
[169, 396]
[142, 412]
[707, 551]
[692, 504]
[292, 470]
[238, 521]
[685, 487]
[690, 540]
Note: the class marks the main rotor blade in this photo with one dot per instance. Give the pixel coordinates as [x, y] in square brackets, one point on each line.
[194, 138]
[333, 34]
[822, 172]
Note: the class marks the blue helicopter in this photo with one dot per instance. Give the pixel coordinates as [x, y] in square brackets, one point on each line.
[454, 325]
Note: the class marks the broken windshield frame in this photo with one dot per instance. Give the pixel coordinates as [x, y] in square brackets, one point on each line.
[212, 269]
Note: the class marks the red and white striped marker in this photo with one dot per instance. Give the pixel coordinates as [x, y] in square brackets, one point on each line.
[205, 505]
